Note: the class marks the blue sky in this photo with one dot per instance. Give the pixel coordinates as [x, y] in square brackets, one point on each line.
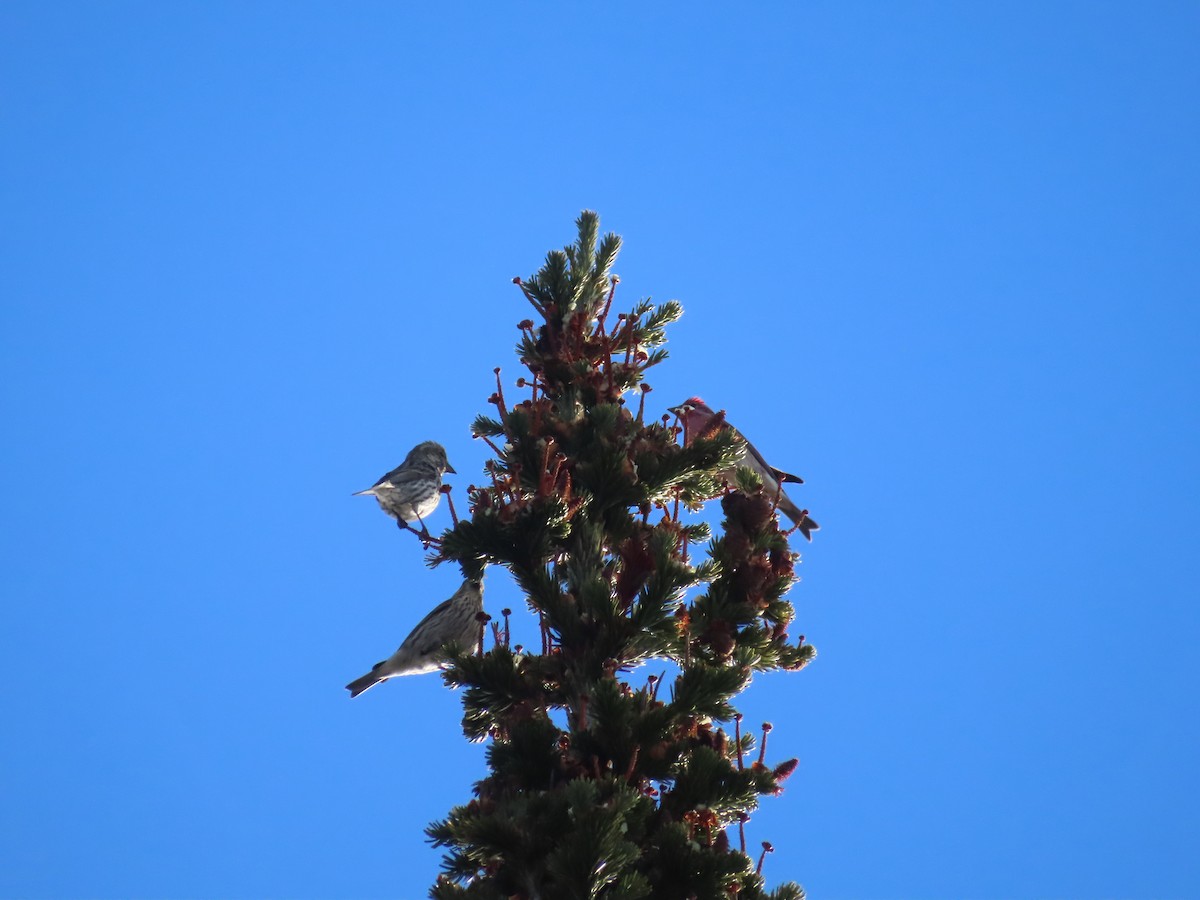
[936, 258]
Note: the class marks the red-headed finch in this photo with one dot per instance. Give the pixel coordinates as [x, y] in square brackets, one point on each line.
[698, 417]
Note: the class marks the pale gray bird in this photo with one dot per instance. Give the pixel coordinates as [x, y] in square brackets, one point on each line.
[697, 416]
[454, 621]
[412, 490]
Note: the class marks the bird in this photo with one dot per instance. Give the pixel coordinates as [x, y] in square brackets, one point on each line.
[453, 621]
[697, 416]
[412, 489]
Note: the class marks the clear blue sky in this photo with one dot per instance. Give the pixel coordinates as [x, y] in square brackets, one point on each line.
[940, 259]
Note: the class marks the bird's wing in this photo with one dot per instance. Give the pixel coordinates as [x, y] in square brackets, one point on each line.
[787, 476]
[404, 474]
[410, 641]
[780, 475]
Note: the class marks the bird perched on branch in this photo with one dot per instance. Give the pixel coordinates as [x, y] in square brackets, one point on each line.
[454, 621]
[699, 419]
[412, 489]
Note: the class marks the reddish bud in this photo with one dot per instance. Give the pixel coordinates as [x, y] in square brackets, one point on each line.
[785, 769]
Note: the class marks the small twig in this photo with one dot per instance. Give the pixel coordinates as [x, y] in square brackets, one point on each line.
[581, 720]
[629, 342]
[642, 403]
[767, 848]
[796, 527]
[427, 540]
[737, 736]
[559, 459]
[614, 280]
[778, 496]
[536, 410]
[632, 763]
[528, 296]
[545, 477]
[608, 345]
[762, 751]
[500, 393]
[531, 383]
[450, 500]
[482, 619]
[488, 441]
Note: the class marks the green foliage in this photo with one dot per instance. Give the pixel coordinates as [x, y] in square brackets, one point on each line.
[597, 787]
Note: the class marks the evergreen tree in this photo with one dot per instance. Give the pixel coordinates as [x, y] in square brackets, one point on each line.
[603, 783]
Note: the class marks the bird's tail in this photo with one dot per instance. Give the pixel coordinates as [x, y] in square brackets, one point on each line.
[358, 685]
[807, 526]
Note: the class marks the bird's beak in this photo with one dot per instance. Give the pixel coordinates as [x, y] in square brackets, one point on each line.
[678, 410]
[369, 490]
[450, 468]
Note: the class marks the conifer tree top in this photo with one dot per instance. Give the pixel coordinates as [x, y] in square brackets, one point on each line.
[604, 782]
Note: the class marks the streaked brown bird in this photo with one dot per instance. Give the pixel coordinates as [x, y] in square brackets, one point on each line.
[454, 621]
[412, 490]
